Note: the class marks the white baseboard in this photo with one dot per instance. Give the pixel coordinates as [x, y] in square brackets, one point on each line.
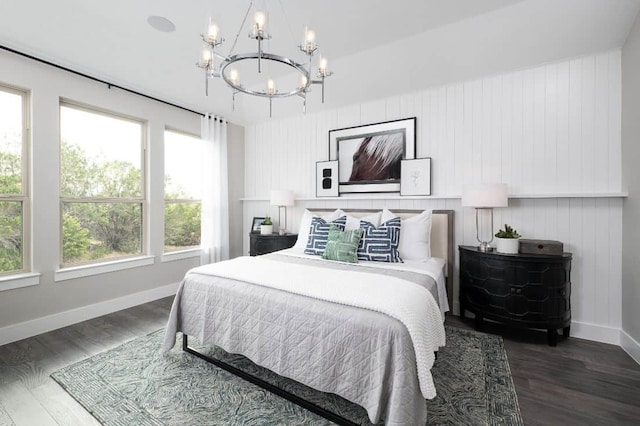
[455, 309]
[597, 333]
[41, 325]
[630, 346]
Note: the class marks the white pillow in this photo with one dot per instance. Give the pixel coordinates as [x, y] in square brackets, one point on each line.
[415, 236]
[354, 222]
[305, 223]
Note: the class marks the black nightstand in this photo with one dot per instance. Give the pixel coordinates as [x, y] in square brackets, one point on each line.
[525, 290]
[263, 244]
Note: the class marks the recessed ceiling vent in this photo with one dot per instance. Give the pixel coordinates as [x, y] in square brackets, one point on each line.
[161, 24]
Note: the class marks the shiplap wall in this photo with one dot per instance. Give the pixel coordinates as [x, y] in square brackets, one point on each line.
[547, 131]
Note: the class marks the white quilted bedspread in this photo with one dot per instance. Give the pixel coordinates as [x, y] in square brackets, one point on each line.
[408, 303]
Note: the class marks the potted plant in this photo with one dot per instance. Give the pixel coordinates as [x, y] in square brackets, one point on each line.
[507, 240]
[266, 228]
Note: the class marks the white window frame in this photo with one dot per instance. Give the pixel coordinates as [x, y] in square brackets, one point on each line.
[98, 266]
[22, 277]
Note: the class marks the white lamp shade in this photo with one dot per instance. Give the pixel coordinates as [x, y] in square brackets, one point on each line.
[485, 195]
[280, 197]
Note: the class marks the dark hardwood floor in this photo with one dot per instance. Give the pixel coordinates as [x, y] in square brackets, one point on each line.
[31, 397]
[577, 382]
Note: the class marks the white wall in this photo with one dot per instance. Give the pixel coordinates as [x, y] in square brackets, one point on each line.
[235, 158]
[30, 310]
[551, 132]
[631, 206]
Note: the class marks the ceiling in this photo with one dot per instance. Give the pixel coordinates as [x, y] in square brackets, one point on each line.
[376, 48]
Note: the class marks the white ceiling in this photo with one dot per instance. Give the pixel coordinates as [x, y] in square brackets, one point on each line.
[376, 48]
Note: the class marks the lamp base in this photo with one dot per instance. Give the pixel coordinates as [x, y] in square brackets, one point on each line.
[485, 247]
[282, 229]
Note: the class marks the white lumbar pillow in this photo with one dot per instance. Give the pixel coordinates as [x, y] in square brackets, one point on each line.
[305, 223]
[354, 222]
[415, 236]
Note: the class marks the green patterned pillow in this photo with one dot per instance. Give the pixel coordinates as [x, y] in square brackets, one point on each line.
[342, 245]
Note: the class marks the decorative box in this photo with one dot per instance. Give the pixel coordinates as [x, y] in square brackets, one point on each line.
[540, 247]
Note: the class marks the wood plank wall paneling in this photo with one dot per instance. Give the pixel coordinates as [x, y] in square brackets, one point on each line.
[553, 129]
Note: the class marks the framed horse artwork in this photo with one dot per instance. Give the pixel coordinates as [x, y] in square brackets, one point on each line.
[369, 157]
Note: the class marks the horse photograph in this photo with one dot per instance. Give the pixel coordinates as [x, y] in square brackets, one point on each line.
[371, 159]
[377, 158]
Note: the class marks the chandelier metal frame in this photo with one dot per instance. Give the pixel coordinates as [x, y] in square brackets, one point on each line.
[229, 75]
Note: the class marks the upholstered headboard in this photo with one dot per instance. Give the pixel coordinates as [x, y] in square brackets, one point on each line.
[442, 242]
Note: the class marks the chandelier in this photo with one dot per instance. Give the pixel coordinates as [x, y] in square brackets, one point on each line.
[227, 66]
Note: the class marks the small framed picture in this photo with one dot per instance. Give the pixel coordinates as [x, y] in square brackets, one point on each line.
[255, 225]
[416, 177]
[327, 179]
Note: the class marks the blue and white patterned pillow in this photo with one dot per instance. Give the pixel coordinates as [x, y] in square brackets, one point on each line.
[319, 234]
[380, 244]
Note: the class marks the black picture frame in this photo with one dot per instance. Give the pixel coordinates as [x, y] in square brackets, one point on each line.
[358, 170]
[255, 224]
[327, 179]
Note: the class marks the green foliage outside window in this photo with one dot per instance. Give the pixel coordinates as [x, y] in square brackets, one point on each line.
[10, 211]
[10, 173]
[181, 225]
[10, 236]
[76, 238]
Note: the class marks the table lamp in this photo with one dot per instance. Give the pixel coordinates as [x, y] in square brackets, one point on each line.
[484, 196]
[282, 198]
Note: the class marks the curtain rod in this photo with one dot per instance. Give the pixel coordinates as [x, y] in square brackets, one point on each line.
[109, 85]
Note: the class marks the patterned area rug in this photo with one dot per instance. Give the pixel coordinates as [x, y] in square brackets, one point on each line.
[135, 384]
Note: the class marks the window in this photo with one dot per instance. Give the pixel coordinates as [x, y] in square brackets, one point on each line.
[182, 190]
[14, 199]
[101, 185]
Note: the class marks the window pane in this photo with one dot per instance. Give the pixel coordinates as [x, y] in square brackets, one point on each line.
[182, 166]
[10, 143]
[10, 236]
[93, 231]
[181, 225]
[101, 155]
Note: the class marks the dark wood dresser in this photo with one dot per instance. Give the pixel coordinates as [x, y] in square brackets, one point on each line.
[263, 244]
[524, 290]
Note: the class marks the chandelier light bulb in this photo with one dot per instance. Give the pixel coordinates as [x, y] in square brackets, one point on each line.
[303, 80]
[271, 87]
[234, 77]
[213, 31]
[322, 67]
[308, 45]
[205, 57]
[260, 19]
[310, 37]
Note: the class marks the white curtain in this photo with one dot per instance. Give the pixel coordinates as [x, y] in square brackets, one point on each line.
[215, 191]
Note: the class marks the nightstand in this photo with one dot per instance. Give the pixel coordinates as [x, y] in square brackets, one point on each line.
[523, 290]
[263, 244]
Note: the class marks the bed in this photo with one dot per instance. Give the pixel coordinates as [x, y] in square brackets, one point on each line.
[321, 324]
